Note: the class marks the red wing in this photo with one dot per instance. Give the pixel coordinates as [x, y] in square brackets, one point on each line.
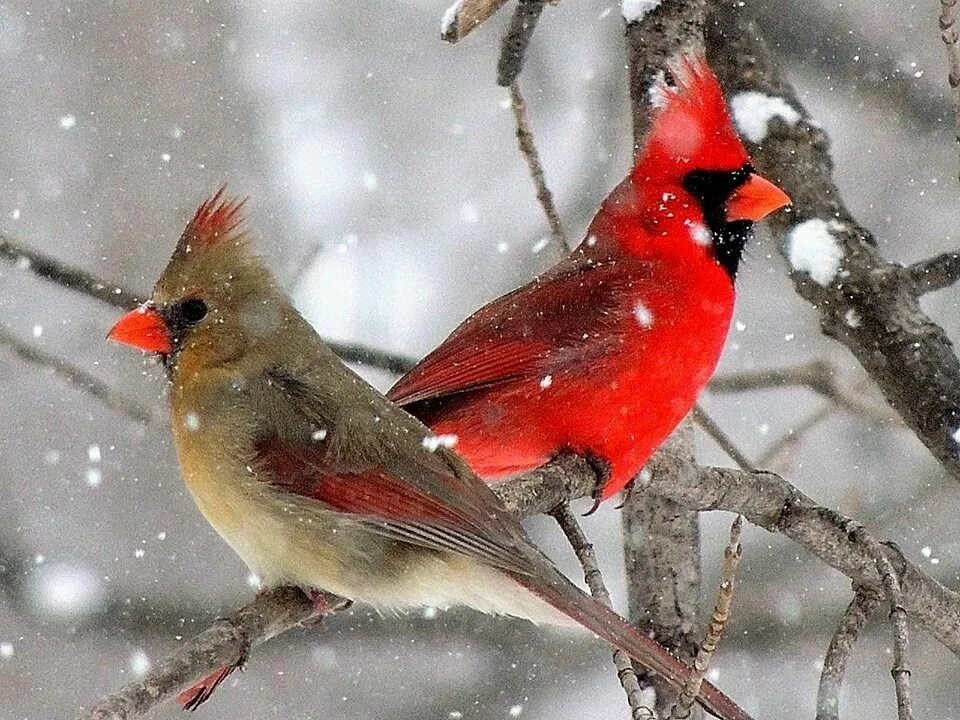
[515, 334]
[459, 365]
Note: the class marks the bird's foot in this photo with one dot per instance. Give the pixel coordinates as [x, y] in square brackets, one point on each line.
[324, 603]
[604, 470]
[196, 695]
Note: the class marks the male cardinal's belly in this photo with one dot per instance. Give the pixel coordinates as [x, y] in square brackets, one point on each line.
[618, 409]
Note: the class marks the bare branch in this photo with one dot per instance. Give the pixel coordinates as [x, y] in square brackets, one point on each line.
[948, 33]
[868, 304]
[464, 16]
[763, 498]
[80, 379]
[721, 438]
[513, 48]
[528, 149]
[66, 276]
[594, 579]
[838, 652]
[661, 539]
[226, 642]
[718, 623]
[935, 273]
[115, 295]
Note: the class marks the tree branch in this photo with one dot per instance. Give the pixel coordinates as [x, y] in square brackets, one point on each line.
[841, 646]
[594, 579]
[865, 302]
[464, 16]
[113, 294]
[77, 377]
[661, 538]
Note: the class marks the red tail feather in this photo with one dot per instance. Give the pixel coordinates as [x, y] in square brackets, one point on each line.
[616, 631]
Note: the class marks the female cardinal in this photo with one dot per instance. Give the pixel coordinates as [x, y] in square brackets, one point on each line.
[605, 353]
[316, 479]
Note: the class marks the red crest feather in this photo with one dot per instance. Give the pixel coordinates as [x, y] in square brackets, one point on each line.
[216, 220]
[692, 126]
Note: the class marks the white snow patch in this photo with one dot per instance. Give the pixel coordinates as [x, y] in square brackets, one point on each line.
[449, 18]
[37, 330]
[67, 121]
[139, 553]
[253, 580]
[165, 157]
[93, 453]
[636, 10]
[956, 436]
[370, 181]
[701, 234]
[139, 663]
[740, 325]
[591, 240]
[191, 421]
[319, 434]
[93, 476]
[429, 613]
[852, 318]
[540, 245]
[546, 382]
[516, 710]
[813, 248]
[926, 551]
[502, 247]
[753, 111]
[643, 315]
[15, 215]
[433, 442]
[659, 91]
[6, 650]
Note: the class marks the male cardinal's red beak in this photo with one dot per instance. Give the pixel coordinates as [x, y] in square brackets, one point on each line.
[145, 329]
[755, 199]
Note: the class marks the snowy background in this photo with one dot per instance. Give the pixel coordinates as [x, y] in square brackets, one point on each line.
[386, 190]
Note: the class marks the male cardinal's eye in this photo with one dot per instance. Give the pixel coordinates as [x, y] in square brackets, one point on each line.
[193, 310]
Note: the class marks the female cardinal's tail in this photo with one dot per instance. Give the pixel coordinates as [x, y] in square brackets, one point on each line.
[560, 593]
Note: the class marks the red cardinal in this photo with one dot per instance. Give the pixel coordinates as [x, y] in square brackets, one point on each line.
[317, 480]
[605, 353]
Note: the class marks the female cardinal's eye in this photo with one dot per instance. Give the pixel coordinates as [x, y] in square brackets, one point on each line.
[193, 310]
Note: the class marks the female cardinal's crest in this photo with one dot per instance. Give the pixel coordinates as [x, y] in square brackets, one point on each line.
[216, 221]
[692, 126]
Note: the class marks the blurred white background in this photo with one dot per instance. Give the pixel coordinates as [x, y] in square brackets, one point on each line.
[386, 190]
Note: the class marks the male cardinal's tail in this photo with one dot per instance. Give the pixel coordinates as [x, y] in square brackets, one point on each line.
[600, 620]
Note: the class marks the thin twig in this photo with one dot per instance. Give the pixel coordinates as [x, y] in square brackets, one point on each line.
[893, 593]
[66, 276]
[591, 574]
[936, 273]
[838, 652]
[85, 283]
[513, 48]
[718, 623]
[80, 379]
[948, 33]
[225, 643]
[721, 438]
[528, 149]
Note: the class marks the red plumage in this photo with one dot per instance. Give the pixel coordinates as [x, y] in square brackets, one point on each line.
[606, 352]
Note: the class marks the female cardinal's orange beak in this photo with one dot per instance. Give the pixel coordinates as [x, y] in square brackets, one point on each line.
[143, 328]
[755, 199]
